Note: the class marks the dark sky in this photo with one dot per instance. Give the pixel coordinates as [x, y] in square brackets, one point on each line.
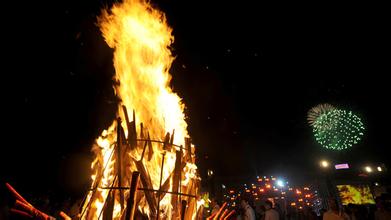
[247, 73]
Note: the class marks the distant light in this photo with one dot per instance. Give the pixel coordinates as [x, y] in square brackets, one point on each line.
[376, 184]
[210, 172]
[368, 169]
[223, 186]
[324, 163]
[342, 166]
[379, 169]
[280, 183]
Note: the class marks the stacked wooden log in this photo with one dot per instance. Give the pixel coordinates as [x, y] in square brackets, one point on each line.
[130, 169]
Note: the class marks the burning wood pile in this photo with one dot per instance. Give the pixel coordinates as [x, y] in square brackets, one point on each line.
[131, 193]
[141, 170]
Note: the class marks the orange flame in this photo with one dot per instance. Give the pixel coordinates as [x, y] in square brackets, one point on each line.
[141, 38]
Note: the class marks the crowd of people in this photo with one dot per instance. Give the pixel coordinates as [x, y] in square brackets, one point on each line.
[269, 211]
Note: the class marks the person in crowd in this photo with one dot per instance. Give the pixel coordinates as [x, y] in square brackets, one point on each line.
[381, 212]
[281, 213]
[270, 213]
[248, 211]
[333, 213]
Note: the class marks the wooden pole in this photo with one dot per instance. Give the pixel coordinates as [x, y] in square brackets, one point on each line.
[188, 149]
[147, 183]
[166, 144]
[108, 209]
[126, 118]
[119, 161]
[150, 149]
[175, 181]
[131, 203]
[160, 186]
[183, 209]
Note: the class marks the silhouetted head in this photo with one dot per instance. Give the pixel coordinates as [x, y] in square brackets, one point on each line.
[268, 204]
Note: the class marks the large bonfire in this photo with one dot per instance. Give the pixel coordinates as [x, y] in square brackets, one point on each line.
[141, 38]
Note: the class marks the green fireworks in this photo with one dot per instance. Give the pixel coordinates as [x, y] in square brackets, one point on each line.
[338, 129]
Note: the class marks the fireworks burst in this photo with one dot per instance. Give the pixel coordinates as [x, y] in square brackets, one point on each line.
[334, 128]
[315, 112]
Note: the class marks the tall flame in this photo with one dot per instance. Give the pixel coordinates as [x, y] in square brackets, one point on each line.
[141, 38]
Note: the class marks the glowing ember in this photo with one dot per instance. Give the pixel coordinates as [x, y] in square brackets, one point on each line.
[140, 37]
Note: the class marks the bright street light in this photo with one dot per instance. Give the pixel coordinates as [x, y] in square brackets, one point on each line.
[324, 163]
[368, 169]
[280, 183]
[379, 169]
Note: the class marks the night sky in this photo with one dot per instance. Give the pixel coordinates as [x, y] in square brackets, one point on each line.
[247, 73]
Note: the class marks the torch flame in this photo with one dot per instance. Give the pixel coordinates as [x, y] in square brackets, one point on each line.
[141, 38]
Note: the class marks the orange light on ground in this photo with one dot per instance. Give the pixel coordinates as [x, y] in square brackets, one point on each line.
[273, 178]
[308, 203]
[293, 204]
[268, 186]
[298, 191]
[261, 190]
[254, 187]
[300, 207]
[255, 194]
[260, 180]
[247, 190]
[308, 196]
[267, 179]
[300, 200]
[232, 198]
[306, 188]
[276, 190]
[231, 191]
